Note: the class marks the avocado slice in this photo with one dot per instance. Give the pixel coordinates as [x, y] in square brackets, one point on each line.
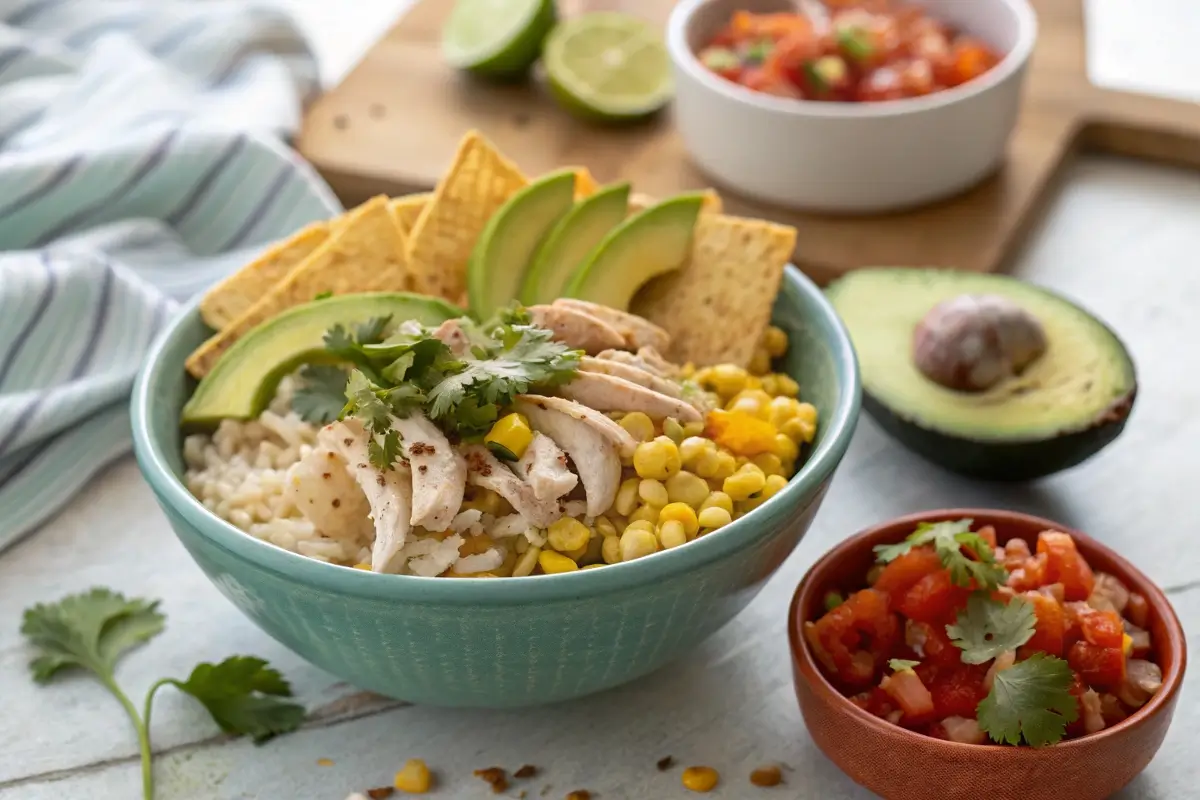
[245, 378]
[571, 240]
[1063, 407]
[507, 244]
[644, 246]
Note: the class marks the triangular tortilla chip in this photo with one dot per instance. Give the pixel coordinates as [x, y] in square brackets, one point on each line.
[407, 208]
[585, 184]
[717, 305]
[477, 184]
[712, 202]
[233, 296]
[364, 254]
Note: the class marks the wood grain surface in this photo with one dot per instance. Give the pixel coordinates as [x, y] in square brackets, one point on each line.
[392, 126]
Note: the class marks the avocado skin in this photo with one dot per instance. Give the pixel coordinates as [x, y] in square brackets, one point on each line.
[1008, 462]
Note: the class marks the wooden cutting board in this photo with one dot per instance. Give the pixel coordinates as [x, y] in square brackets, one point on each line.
[392, 126]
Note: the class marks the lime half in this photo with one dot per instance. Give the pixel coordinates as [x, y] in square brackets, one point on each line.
[608, 67]
[499, 39]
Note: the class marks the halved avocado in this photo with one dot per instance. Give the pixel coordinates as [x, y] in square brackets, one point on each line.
[511, 237]
[1059, 409]
[644, 246]
[245, 378]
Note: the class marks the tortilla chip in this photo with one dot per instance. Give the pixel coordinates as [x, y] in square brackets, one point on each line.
[733, 275]
[477, 184]
[407, 208]
[712, 202]
[233, 296]
[585, 184]
[365, 253]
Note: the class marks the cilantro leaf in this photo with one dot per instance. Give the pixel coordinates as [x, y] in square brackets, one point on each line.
[321, 395]
[855, 42]
[372, 331]
[902, 664]
[241, 693]
[1030, 700]
[948, 540]
[986, 627]
[365, 403]
[925, 533]
[90, 630]
[384, 451]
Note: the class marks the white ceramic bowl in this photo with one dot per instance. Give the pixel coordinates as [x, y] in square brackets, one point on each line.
[850, 157]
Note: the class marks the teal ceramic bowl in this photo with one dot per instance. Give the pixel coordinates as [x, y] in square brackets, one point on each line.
[504, 642]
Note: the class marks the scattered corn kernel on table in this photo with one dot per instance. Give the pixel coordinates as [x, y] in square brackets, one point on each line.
[1120, 239]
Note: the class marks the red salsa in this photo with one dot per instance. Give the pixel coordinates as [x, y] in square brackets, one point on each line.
[858, 51]
[960, 638]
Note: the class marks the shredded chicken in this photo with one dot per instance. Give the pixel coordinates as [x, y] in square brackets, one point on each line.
[609, 393]
[544, 468]
[484, 469]
[591, 445]
[451, 334]
[321, 486]
[631, 373]
[638, 331]
[439, 476]
[577, 329]
[1093, 718]
[388, 492]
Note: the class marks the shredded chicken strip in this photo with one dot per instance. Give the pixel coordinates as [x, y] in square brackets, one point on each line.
[484, 469]
[439, 476]
[544, 468]
[321, 486]
[609, 393]
[631, 373]
[577, 329]
[638, 331]
[605, 426]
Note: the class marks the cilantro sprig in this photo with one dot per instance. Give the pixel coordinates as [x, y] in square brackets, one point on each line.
[393, 373]
[964, 553]
[1030, 700]
[986, 627]
[902, 664]
[93, 630]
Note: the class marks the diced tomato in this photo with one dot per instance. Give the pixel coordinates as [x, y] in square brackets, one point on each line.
[856, 637]
[988, 534]
[1138, 610]
[1065, 565]
[936, 730]
[1030, 574]
[1099, 667]
[877, 702]
[957, 692]
[1016, 553]
[932, 644]
[1103, 628]
[1077, 689]
[934, 599]
[906, 688]
[1050, 627]
[900, 575]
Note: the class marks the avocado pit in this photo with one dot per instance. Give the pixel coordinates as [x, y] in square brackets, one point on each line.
[972, 342]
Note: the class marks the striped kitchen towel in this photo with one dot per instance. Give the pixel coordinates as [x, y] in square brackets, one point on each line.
[140, 160]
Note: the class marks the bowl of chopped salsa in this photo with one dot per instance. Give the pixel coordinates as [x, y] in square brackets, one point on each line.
[849, 105]
[984, 653]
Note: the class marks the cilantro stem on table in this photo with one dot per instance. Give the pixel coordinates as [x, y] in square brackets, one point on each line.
[93, 630]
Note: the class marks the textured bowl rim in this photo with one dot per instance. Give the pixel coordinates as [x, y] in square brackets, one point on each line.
[806, 666]
[686, 59]
[497, 591]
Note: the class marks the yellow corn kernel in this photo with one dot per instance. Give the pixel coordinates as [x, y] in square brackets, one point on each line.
[747, 481]
[773, 485]
[798, 430]
[760, 362]
[673, 430]
[520, 544]
[715, 517]
[684, 487]
[527, 561]
[638, 425]
[363, 565]
[680, 512]
[490, 502]
[1127, 644]
[658, 459]
[717, 500]
[754, 402]
[604, 527]
[769, 463]
[783, 409]
[775, 341]
[693, 428]
[512, 433]
[705, 377]
[640, 525]
[627, 497]
[672, 534]
[553, 563]
[653, 493]
[593, 566]
[770, 385]
[728, 379]
[693, 448]
[567, 534]
[785, 386]
[413, 777]
[636, 543]
[578, 555]
[708, 464]
[474, 545]
[645, 513]
[786, 450]
[700, 779]
[610, 550]
[687, 370]
[726, 466]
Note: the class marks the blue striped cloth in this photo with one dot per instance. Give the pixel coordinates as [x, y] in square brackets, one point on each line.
[140, 160]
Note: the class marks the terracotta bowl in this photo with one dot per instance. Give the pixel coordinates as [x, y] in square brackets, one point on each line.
[902, 765]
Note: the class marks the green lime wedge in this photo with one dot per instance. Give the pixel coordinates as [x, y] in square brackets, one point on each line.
[497, 39]
[608, 67]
